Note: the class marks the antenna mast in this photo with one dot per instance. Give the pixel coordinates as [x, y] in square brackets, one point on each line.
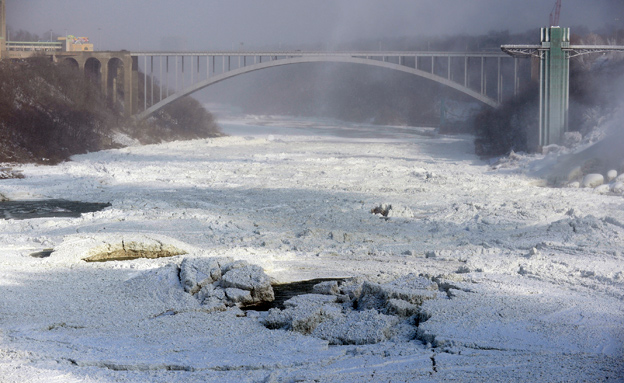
[554, 14]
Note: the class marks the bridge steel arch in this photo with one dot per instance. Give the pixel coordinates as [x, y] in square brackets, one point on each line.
[480, 96]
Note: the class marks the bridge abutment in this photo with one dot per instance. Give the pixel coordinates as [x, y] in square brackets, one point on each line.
[108, 78]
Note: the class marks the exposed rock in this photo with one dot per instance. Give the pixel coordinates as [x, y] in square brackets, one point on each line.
[130, 248]
[592, 180]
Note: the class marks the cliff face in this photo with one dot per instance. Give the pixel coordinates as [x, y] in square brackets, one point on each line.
[49, 112]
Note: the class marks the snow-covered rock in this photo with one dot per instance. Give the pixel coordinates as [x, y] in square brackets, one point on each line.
[611, 175]
[592, 180]
[250, 278]
[196, 273]
[222, 282]
[357, 327]
[603, 189]
[571, 139]
[574, 185]
[618, 187]
[327, 287]
[371, 314]
[575, 173]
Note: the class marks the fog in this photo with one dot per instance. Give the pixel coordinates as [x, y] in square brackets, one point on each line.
[252, 24]
[311, 24]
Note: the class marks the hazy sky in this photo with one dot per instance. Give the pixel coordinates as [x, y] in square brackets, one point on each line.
[223, 24]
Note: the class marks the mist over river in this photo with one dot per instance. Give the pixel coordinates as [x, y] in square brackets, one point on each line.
[262, 126]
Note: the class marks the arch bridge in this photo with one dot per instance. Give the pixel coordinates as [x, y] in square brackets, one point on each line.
[168, 76]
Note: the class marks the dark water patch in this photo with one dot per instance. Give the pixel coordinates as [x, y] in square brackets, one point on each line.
[285, 291]
[45, 253]
[50, 208]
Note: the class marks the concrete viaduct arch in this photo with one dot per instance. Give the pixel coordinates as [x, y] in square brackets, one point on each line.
[311, 59]
[110, 70]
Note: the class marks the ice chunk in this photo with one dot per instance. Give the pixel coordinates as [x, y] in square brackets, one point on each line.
[357, 327]
[198, 272]
[592, 180]
[251, 278]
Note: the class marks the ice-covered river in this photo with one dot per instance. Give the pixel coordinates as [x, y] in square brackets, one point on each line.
[263, 126]
[456, 271]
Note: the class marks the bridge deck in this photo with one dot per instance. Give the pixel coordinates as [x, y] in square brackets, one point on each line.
[525, 50]
[324, 53]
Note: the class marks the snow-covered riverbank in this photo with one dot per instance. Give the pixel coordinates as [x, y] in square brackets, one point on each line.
[518, 282]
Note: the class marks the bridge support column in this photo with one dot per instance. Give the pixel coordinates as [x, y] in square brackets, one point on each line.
[135, 85]
[129, 89]
[554, 87]
[104, 76]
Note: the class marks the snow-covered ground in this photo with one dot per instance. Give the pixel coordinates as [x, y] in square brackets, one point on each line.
[474, 274]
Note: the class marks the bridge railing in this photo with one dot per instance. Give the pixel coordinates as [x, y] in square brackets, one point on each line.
[33, 46]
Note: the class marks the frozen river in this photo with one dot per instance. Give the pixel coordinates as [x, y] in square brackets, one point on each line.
[456, 271]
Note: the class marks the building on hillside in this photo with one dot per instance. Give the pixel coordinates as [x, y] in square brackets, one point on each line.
[76, 44]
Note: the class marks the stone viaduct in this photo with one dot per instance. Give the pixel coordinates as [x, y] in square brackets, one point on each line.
[115, 72]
